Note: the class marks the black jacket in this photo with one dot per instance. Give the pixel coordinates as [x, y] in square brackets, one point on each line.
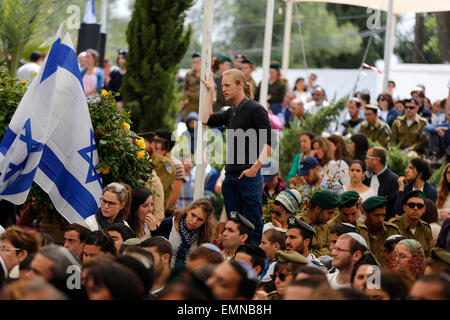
[388, 189]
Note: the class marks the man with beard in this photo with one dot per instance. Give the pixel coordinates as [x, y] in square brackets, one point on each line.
[248, 146]
[410, 224]
[375, 230]
[323, 203]
[311, 176]
[299, 236]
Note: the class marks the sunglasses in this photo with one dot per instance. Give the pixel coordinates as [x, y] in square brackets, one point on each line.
[381, 99]
[281, 276]
[277, 213]
[413, 204]
[411, 108]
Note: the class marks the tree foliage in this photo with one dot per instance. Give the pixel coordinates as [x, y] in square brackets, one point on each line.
[157, 42]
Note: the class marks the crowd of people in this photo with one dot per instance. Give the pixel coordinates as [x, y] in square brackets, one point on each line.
[343, 226]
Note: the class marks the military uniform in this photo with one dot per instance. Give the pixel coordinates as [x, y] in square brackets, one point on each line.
[411, 137]
[334, 222]
[166, 172]
[276, 90]
[380, 132]
[321, 241]
[422, 234]
[191, 89]
[376, 242]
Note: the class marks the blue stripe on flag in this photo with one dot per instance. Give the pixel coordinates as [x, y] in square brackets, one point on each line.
[22, 183]
[61, 56]
[7, 141]
[68, 186]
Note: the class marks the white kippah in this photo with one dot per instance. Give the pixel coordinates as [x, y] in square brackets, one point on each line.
[358, 238]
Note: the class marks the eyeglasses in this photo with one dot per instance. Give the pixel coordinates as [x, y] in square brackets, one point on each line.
[410, 107]
[413, 204]
[5, 248]
[110, 204]
[280, 275]
[337, 249]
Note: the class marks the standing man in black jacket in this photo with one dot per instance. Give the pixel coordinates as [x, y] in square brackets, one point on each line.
[248, 147]
[382, 180]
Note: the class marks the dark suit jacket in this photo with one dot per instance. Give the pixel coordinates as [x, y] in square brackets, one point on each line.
[388, 189]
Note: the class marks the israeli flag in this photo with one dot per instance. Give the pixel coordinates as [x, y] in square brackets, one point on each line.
[50, 139]
[89, 12]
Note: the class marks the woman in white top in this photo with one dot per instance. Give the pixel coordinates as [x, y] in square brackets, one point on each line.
[301, 92]
[443, 200]
[332, 170]
[141, 213]
[114, 207]
[356, 174]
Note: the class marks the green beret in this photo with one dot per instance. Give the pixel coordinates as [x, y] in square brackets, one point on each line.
[223, 58]
[374, 202]
[294, 222]
[290, 256]
[248, 61]
[372, 106]
[413, 194]
[326, 199]
[196, 55]
[441, 255]
[275, 65]
[349, 199]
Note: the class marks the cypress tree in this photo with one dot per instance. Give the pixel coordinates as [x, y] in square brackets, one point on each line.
[157, 42]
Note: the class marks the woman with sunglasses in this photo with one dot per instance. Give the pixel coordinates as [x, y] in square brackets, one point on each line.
[286, 203]
[114, 207]
[416, 176]
[387, 111]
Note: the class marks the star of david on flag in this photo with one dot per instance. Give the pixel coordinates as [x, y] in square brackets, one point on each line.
[50, 139]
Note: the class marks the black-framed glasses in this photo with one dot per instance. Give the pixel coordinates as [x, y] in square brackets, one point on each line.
[414, 204]
[280, 275]
[410, 107]
[110, 204]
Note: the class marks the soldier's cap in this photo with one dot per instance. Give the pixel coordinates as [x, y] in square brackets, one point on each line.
[252, 250]
[237, 217]
[372, 107]
[343, 228]
[248, 61]
[374, 202]
[326, 199]
[196, 55]
[290, 256]
[269, 170]
[290, 199]
[358, 238]
[441, 255]
[413, 194]
[275, 65]
[349, 199]
[223, 58]
[148, 135]
[132, 242]
[294, 222]
[307, 164]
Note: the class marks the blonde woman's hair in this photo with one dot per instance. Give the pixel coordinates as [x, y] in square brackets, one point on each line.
[239, 77]
[123, 192]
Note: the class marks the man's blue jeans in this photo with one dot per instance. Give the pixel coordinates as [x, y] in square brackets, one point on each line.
[245, 197]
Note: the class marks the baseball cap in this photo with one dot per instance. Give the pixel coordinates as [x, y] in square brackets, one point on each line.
[307, 164]
[269, 170]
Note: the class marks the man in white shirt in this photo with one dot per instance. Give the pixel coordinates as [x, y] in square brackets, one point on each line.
[28, 70]
[318, 102]
[348, 249]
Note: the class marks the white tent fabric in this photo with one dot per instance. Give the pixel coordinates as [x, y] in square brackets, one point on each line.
[399, 6]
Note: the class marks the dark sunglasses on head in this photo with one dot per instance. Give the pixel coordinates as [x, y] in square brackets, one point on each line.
[413, 204]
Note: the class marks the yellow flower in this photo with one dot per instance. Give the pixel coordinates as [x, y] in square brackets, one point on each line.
[140, 143]
[104, 92]
[100, 131]
[24, 81]
[125, 126]
[116, 147]
[105, 169]
[141, 154]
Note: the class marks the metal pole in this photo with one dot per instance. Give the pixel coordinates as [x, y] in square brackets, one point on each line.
[266, 54]
[287, 38]
[103, 16]
[389, 44]
[200, 161]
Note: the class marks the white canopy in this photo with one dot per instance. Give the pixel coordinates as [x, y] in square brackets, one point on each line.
[399, 7]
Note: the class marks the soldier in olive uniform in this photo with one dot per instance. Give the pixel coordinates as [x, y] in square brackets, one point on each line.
[276, 90]
[408, 130]
[348, 210]
[375, 230]
[164, 167]
[374, 128]
[191, 86]
[410, 224]
[323, 203]
[220, 65]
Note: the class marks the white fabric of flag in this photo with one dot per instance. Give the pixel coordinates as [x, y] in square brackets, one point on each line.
[89, 12]
[50, 139]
